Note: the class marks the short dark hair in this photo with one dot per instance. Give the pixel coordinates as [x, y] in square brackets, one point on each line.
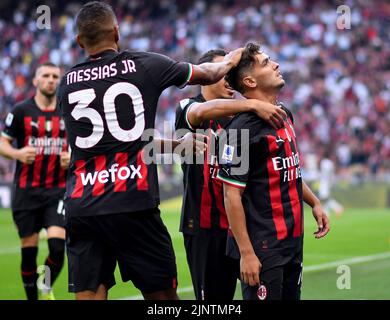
[248, 59]
[48, 64]
[93, 22]
[211, 54]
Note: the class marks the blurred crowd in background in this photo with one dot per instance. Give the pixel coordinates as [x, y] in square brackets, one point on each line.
[337, 80]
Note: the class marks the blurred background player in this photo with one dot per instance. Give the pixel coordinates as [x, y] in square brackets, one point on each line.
[112, 195]
[204, 222]
[39, 181]
[264, 202]
[326, 180]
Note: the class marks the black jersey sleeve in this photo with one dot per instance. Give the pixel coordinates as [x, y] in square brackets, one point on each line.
[13, 123]
[230, 161]
[166, 72]
[181, 121]
[236, 143]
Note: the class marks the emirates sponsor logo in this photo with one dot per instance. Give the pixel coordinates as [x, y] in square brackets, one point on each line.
[281, 163]
[114, 173]
[47, 146]
[290, 165]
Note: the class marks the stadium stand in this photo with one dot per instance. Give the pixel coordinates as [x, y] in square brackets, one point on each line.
[338, 81]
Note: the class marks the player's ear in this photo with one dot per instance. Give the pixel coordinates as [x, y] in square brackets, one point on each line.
[116, 33]
[78, 40]
[249, 82]
[35, 81]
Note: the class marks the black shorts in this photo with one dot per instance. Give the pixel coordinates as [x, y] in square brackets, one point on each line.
[32, 221]
[138, 241]
[214, 275]
[282, 282]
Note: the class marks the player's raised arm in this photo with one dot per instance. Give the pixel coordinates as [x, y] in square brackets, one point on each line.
[218, 108]
[211, 72]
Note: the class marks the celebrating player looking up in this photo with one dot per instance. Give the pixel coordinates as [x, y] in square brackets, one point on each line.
[264, 204]
[112, 196]
[204, 222]
[39, 182]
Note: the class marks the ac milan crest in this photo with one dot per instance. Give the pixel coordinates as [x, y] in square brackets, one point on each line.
[262, 292]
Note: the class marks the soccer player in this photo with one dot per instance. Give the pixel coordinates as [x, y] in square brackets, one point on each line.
[39, 183]
[204, 222]
[264, 203]
[326, 180]
[112, 196]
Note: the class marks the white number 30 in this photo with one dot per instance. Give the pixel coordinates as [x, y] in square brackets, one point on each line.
[83, 98]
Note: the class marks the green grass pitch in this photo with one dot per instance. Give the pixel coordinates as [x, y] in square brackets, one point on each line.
[360, 239]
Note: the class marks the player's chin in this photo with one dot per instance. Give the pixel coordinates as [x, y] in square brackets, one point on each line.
[49, 93]
[281, 83]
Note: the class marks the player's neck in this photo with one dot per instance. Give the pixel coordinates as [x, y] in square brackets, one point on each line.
[45, 103]
[208, 94]
[103, 47]
[270, 97]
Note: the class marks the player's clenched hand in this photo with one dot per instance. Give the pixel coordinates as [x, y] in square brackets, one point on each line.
[270, 113]
[196, 140]
[322, 221]
[250, 267]
[26, 155]
[234, 57]
[64, 159]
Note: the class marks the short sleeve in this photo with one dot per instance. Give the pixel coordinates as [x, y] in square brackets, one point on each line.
[166, 72]
[181, 121]
[233, 159]
[12, 124]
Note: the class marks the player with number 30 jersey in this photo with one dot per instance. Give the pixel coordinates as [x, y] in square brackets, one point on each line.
[112, 196]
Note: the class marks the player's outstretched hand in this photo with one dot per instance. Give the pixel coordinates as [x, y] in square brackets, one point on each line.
[26, 155]
[250, 267]
[322, 222]
[270, 113]
[196, 140]
[234, 57]
[65, 159]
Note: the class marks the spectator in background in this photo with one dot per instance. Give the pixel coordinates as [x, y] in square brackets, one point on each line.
[338, 80]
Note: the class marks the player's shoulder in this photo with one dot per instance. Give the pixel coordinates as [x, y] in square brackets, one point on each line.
[184, 103]
[244, 120]
[144, 56]
[23, 106]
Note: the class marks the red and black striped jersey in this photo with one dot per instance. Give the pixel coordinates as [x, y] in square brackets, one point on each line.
[203, 205]
[108, 101]
[43, 180]
[271, 180]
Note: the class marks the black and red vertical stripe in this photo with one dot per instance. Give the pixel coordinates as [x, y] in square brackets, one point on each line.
[45, 172]
[284, 194]
[212, 210]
